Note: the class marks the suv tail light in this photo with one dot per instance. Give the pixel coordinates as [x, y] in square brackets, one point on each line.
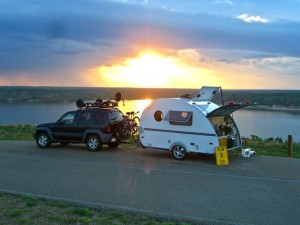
[109, 129]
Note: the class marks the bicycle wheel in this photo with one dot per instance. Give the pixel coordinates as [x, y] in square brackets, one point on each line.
[122, 132]
[135, 125]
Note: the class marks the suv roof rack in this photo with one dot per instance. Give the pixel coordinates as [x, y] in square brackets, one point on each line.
[99, 103]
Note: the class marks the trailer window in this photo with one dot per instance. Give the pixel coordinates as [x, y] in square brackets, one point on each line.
[158, 116]
[182, 118]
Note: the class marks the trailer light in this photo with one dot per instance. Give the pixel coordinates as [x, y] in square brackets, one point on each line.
[231, 103]
[247, 102]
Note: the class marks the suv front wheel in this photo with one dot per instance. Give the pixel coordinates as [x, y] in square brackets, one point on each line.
[93, 143]
[43, 140]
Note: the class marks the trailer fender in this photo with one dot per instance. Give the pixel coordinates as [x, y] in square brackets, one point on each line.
[179, 143]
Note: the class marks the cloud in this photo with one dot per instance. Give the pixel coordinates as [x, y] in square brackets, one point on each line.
[250, 19]
[283, 63]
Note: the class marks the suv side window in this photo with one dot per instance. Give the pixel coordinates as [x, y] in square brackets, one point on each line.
[100, 118]
[67, 119]
[83, 117]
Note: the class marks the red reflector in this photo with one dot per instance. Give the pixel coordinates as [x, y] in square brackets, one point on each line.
[231, 103]
[108, 129]
[247, 102]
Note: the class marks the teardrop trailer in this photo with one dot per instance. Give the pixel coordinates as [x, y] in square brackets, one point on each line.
[190, 125]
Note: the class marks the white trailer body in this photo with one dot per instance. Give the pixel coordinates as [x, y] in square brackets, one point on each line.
[189, 125]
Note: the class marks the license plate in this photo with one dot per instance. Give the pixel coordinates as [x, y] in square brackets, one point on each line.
[113, 139]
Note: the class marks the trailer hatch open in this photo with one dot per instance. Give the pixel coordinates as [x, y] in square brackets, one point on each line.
[226, 110]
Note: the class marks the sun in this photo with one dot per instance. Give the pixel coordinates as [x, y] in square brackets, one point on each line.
[149, 69]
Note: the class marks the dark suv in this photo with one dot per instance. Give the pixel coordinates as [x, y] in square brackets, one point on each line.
[93, 126]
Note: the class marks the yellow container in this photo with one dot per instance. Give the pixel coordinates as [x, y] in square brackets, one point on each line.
[223, 142]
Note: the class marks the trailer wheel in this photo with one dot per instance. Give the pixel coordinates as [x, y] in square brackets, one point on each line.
[179, 152]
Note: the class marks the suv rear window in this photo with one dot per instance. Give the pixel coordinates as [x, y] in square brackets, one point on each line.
[115, 116]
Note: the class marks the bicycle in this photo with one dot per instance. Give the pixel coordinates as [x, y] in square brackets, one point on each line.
[129, 127]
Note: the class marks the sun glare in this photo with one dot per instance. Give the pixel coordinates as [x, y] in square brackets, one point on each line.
[147, 70]
[150, 69]
[138, 105]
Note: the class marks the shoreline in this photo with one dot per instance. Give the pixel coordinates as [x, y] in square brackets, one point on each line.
[295, 110]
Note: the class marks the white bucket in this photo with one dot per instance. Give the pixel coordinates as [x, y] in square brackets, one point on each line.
[246, 152]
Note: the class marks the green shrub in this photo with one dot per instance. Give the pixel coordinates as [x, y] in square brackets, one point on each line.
[29, 200]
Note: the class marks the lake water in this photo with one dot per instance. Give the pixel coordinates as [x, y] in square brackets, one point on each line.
[261, 123]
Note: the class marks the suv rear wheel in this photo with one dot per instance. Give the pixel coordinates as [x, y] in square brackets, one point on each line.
[43, 140]
[93, 143]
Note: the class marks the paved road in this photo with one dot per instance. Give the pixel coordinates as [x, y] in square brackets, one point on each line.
[256, 190]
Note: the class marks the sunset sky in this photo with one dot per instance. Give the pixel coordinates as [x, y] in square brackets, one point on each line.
[236, 44]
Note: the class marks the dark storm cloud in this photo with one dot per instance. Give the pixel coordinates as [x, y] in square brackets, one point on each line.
[37, 36]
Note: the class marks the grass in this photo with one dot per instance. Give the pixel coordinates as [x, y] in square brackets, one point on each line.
[20, 210]
[16, 132]
[271, 146]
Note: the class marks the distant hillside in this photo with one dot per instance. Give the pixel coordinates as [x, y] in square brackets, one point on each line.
[50, 94]
[285, 98]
